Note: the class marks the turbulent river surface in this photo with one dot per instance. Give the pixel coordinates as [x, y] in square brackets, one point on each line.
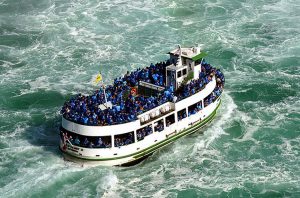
[53, 49]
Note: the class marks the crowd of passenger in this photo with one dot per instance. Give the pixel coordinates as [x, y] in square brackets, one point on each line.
[220, 80]
[154, 74]
[85, 109]
[196, 108]
[81, 141]
[126, 105]
[102, 142]
[160, 126]
[181, 115]
[205, 76]
[124, 139]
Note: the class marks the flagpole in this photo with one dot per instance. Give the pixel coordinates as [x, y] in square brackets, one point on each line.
[99, 78]
[104, 94]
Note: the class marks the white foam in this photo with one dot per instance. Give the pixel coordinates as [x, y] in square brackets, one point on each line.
[187, 22]
[109, 185]
[29, 176]
[73, 32]
[19, 128]
[228, 108]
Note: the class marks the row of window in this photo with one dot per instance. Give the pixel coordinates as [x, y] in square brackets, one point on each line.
[128, 138]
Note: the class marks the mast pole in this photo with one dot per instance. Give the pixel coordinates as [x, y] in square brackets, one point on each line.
[179, 62]
[104, 94]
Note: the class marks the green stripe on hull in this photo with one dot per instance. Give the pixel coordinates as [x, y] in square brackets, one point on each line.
[159, 145]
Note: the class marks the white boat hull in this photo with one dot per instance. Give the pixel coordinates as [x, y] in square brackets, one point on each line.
[135, 152]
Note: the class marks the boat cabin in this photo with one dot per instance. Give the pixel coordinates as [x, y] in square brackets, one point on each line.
[186, 65]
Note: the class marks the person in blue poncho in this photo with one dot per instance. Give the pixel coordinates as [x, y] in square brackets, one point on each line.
[86, 142]
[77, 141]
[99, 142]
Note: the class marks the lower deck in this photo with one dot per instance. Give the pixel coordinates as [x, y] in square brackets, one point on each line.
[149, 144]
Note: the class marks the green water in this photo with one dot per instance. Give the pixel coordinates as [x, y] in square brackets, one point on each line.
[50, 50]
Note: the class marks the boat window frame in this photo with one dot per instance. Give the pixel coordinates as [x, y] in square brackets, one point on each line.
[204, 99]
[195, 106]
[182, 110]
[173, 114]
[122, 134]
[107, 138]
[179, 74]
[155, 125]
[149, 125]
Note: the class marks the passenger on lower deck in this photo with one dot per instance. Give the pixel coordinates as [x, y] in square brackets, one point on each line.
[99, 143]
[77, 141]
[91, 145]
[181, 114]
[159, 126]
[124, 139]
[87, 142]
[195, 108]
[143, 132]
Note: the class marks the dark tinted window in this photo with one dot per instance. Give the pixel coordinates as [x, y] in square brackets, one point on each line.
[159, 126]
[179, 74]
[193, 109]
[86, 141]
[124, 139]
[170, 120]
[181, 114]
[143, 132]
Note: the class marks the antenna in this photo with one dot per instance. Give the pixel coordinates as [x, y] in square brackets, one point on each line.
[179, 63]
[179, 49]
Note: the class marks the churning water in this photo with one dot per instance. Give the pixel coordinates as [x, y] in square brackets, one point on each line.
[51, 49]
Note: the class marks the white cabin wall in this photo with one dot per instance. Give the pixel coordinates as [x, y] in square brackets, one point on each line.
[190, 64]
[100, 130]
[197, 70]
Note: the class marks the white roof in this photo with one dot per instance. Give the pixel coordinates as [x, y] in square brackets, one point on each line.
[187, 52]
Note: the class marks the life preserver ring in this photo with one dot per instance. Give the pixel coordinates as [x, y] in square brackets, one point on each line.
[133, 91]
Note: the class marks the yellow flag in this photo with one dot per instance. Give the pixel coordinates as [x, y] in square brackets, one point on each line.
[98, 78]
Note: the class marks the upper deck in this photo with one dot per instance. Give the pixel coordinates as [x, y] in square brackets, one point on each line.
[172, 83]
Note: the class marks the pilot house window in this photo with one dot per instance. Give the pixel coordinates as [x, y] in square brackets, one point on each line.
[179, 74]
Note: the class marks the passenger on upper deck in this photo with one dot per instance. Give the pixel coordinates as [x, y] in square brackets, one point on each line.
[85, 109]
[205, 76]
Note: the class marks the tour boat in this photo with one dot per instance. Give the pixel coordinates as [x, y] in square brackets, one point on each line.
[142, 111]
